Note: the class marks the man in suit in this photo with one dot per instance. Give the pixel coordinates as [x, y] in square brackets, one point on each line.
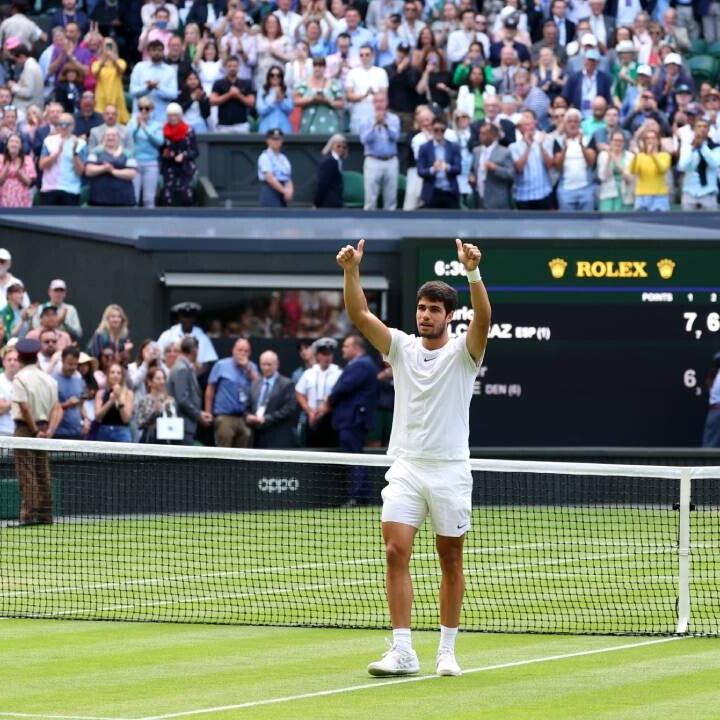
[492, 170]
[110, 119]
[329, 193]
[438, 164]
[353, 401]
[601, 25]
[183, 385]
[273, 406]
[566, 28]
[585, 85]
[506, 128]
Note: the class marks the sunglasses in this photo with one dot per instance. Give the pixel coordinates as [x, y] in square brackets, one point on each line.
[275, 75]
[143, 108]
[9, 107]
[64, 124]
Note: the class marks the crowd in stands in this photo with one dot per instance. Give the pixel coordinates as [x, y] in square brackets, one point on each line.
[570, 104]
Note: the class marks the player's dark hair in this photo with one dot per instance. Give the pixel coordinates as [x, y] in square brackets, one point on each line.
[440, 292]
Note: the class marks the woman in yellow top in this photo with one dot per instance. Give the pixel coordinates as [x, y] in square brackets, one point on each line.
[109, 69]
[650, 166]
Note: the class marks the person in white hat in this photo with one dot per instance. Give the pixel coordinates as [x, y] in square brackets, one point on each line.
[624, 69]
[68, 318]
[7, 279]
[671, 77]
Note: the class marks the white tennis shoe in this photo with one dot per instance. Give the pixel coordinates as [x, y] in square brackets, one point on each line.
[395, 662]
[446, 663]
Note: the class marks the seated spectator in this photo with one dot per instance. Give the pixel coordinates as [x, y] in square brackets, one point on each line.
[583, 86]
[329, 191]
[62, 162]
[29, 87]
[11, 366]
[86, 117]
[574, 161]
[492, 170]
[471, 95]
[17, 174]
[321, 99]
[50, 321]
[273, 103]
[68, 90]
[275, 172]
[177, 158]
[439, 163]
[533, 158]
[68, 318]
[155, 78]
[114, 407]
[156, 402]
[147, 135]
[70, 14]
[234, 98]
[194, 103]
[379, 136]
[548, 76]
[112, 333]
[109, 69]
[616, 180]
[110, 120]
[699, 160]
[434, 83]
[110, 171]
[650, 166]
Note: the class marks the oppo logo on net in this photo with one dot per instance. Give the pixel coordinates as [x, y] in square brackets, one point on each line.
[278, 485]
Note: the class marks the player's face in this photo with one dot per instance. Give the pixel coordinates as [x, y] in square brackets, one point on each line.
[431, 319]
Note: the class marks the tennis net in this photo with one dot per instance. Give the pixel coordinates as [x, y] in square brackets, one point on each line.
[160, 533]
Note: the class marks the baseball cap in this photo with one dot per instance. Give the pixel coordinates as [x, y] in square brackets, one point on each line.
[683, 88]
[186, 308]
[404, 47]
[645, 70]
[625, 46]
[58, 284]
[672, 59]
[28, 347]
[592, 54]
[325, 344]
[275, 133]
[5, 255]
[510, 22]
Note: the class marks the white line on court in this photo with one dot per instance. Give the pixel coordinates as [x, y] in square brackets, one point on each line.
[380, 683]
[56, 717]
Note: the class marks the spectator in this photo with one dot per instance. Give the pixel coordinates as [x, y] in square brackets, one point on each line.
[647, 110]
[319, 47]
[177, 56]
[195, 103]
[670, 79]
[449, 23]
[402, 81]
[187, 315]
[156, 30]
[423, 133]
[289, 20]
[274, 105]
[273, 406]
[62, 162]
[70, 14]
[109, 69]
[111, 171]
[475, 58]
[88, 369]
[434, 83]
[49, 356]
[341, 62]
[532, 98]
[19, 27]
[227, 396]
[329, 193]
[439, 163]
[234, 97]
[177, 158]
[633, 93]
[611, 124]
[595, 122]
[156, 403]
[17, 174]
[208, 64]
[110, 120]
[171, 354]
[574, 160]
[68, 318]
[616, 180]
[650, 166]
[358, 35]
[155, 78]
[7, 279]
[624, 70]
[241, 44]
[71, 51]
[147, 358]
[31, 124]
[114, 407]
[93, 44]
[424, 46]
[379, 12]
[492, 170]
[10, 367]
[588, 43]
[379, 136]
[548, 76]
[9, 126]
[112, 333]
[184, 387]
[509, 39]
[28, 89]
[461, 135]
[86, 118]
[71, 388]
[147, 13]
[532, 158]
[459, 41]
[321, 99]
[69, 88]
[504, 74]
[410, 27]
[699, 161]
[275, 172]
[147, 135]
[16, 320]
[549, 40]
[506, 128]
[512, 9]
[583, 86]
[273, 47]
[363, 84]
[49, 319]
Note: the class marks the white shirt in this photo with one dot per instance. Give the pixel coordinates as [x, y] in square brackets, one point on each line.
[360, 80]
[316, 384]
[575, 169]
[206, 351]
[433, 390]
[288, 22]
[7, 426]
[6, 281]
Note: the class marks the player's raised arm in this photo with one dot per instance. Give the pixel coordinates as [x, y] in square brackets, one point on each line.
[477, 334]
[369, 325]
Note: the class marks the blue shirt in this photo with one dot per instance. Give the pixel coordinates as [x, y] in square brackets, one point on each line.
[276, 163]
[148, 140]
[71, 423]
[166, 91]
[533, 183]
[441, 178]
[232, 387]
[381, 140]
[274, 114]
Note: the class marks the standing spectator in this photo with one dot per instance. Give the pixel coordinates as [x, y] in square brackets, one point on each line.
[650, 166]
[49, 125]
[492, 170]
[671, 78]
[583, 86]
[687, 12]
[50, 320]
[176, 56]
[699, 161]
[549, 40]
[74, 425]
[616, 180]
[510, 41]
[532, 98]
[227, 396]
[109, 69]
[49, 356]
[504, 73]
[289, 20]
[86, 118]
[461, 135]
[647, 110]
[155, 78]
[274, 105]
[184, 387]
[321, 99]
[154, 404]
[111, 171]
[439, 163]
[36, 413]
[234, 97]
[10, 367]
[341, 62]
[595, 122]
[574, 160]
[17, 174]
[624, 70]
[549, 75]
[7, 279]
[459, 41]
[273, 47]
[15, 319]
[19, 27]
[379, 11]
[112, 333]
[114, 407]
[178, 155]
[566, 28]
[411, 26]
[187, 315]
[195, 103]
[9, 126]
[379, 136]
[68, 318]
[157, 30]
[434, 83]
[403, 78]
[240, 43]
[70, 14]
[110, 120]
[62, 162]
[364, 83]
[611, 125]
[329, 193]
[275, 172]
[29, 87]
[88, 369]
[208, 64]
[273, 406]
[147, 135]
[532, 158]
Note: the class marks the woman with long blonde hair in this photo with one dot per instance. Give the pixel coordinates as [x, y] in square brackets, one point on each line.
[112, 332]
[650, 166]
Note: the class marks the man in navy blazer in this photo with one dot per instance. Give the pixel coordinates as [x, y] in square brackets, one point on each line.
[353, 401]
[438, 164]
[573, 91]
[329, 193]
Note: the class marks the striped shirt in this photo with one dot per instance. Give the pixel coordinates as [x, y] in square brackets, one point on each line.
[533, 183]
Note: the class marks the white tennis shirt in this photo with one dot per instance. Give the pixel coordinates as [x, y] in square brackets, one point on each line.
[433, 390]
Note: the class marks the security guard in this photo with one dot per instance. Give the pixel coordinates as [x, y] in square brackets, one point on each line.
[275, 172]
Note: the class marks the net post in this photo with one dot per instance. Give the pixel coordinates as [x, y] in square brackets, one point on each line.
[683, 610]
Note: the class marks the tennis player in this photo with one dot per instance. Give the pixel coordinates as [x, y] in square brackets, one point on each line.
[434, 376]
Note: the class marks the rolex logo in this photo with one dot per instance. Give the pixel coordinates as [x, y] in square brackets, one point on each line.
[666, 267]
[558, 266]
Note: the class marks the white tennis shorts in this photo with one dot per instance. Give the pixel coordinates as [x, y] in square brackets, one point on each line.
[441, 489]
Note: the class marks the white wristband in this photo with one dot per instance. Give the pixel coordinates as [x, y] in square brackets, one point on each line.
[474, 276]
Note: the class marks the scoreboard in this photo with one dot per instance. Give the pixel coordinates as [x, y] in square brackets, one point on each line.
[591, 343]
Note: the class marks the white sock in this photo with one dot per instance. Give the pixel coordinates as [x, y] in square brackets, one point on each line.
[447, 638]
[401, 639]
